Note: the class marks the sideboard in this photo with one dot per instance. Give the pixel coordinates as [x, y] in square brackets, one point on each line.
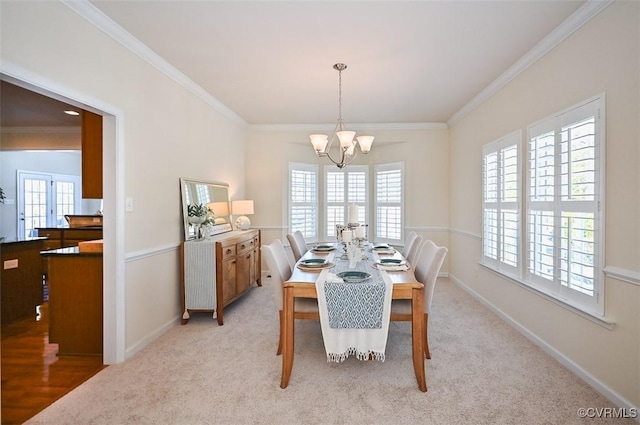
[217, 271]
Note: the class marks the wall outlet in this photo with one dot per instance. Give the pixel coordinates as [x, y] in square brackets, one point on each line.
[11, 264]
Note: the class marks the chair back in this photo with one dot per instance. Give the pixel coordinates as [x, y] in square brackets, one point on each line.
[427, 268]
[298, 244]
[414, 250]
[276, 258]
[408, 243]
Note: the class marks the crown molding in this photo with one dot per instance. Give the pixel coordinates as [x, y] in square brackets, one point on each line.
[119, 34]
[580, 17]
[357, 127]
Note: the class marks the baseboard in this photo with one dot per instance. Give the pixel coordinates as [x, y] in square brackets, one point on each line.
[148, 339]
[598, 385]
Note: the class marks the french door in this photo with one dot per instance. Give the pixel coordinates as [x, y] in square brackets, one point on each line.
[44, 200]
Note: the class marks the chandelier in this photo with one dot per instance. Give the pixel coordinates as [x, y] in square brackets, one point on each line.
[348, 147]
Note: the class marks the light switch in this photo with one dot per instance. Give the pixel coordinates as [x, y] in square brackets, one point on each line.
[128, 204]
[11, 264]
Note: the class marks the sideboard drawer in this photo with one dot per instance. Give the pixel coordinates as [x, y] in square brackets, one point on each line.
[228, 251]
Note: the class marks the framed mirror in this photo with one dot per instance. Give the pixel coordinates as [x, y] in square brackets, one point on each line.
[205, 208]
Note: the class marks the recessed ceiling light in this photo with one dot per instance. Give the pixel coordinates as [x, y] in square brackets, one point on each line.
[71, 112]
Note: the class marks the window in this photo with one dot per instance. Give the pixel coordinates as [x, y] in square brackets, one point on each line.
[501, 204]
[388, 201]
[344, 187]
[303, 200]
[565, 172]
[315, 208]
[45, 199]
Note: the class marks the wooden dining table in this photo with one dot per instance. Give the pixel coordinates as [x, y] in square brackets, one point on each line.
[405, 286]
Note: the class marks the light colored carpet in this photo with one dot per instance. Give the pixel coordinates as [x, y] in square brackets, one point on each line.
[482, 372]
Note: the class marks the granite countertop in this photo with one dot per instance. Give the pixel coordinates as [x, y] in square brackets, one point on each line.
[70, 251]
[4, 240]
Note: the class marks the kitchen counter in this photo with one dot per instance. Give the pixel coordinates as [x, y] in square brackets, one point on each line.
[75, 300]
[69, 251]
[21, 289]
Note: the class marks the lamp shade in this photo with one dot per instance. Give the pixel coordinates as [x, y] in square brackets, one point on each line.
[346, 138]
[242, 207]
[365, 143]
[319, 141]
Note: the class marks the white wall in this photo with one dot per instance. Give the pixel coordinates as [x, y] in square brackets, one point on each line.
[601, 57]
[156, 131]
[425, 153]
[45, 162]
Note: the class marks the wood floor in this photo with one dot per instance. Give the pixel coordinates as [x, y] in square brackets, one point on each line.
[33, 376]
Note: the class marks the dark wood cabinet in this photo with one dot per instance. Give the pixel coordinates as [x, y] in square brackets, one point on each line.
[66, 237]
[21, 288]
[75, 301]
[91, 155]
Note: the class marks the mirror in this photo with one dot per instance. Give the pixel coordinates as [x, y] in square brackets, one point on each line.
[205, 208]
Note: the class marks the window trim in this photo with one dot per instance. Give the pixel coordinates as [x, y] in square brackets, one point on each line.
[345, 171]
[499, 145]
[597, 308]
[373, 232]
[596, 313]
[312, 168]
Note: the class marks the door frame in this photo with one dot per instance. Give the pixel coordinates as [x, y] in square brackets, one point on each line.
[113, 170]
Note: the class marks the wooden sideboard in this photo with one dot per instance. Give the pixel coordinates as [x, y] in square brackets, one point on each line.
[218, 271]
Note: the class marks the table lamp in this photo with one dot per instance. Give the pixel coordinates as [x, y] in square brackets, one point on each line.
[243, 208]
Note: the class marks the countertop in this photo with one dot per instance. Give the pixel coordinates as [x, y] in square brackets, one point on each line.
[69, 251]
[20, 240]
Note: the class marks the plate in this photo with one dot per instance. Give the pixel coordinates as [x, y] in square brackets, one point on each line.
[315, 269]
[313, 262]
[381, 246]
[391, 262]
[323, 248]
[354, 276]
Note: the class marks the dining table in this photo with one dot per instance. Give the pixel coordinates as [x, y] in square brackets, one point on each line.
[302, 284]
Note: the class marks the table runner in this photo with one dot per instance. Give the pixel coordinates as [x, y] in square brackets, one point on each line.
[361, 331]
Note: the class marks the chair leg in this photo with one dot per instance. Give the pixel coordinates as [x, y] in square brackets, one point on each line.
[281, 334]
[427, 354]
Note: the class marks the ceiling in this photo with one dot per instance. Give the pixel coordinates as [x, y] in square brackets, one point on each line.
[20, 107]
[271, 62]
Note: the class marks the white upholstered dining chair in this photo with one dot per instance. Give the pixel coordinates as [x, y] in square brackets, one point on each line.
[426, 270]
[408, 243]
[280, 270]
[412, 247]
[298, 244]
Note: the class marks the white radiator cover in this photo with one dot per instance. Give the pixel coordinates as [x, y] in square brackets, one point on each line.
[200, 275]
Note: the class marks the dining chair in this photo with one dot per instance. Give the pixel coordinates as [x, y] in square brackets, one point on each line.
[298, 244]
[408, 243]
[426, 271]
[413, 250]
[280, 270]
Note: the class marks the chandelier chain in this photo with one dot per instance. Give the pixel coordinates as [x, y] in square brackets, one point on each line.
[340, 95]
